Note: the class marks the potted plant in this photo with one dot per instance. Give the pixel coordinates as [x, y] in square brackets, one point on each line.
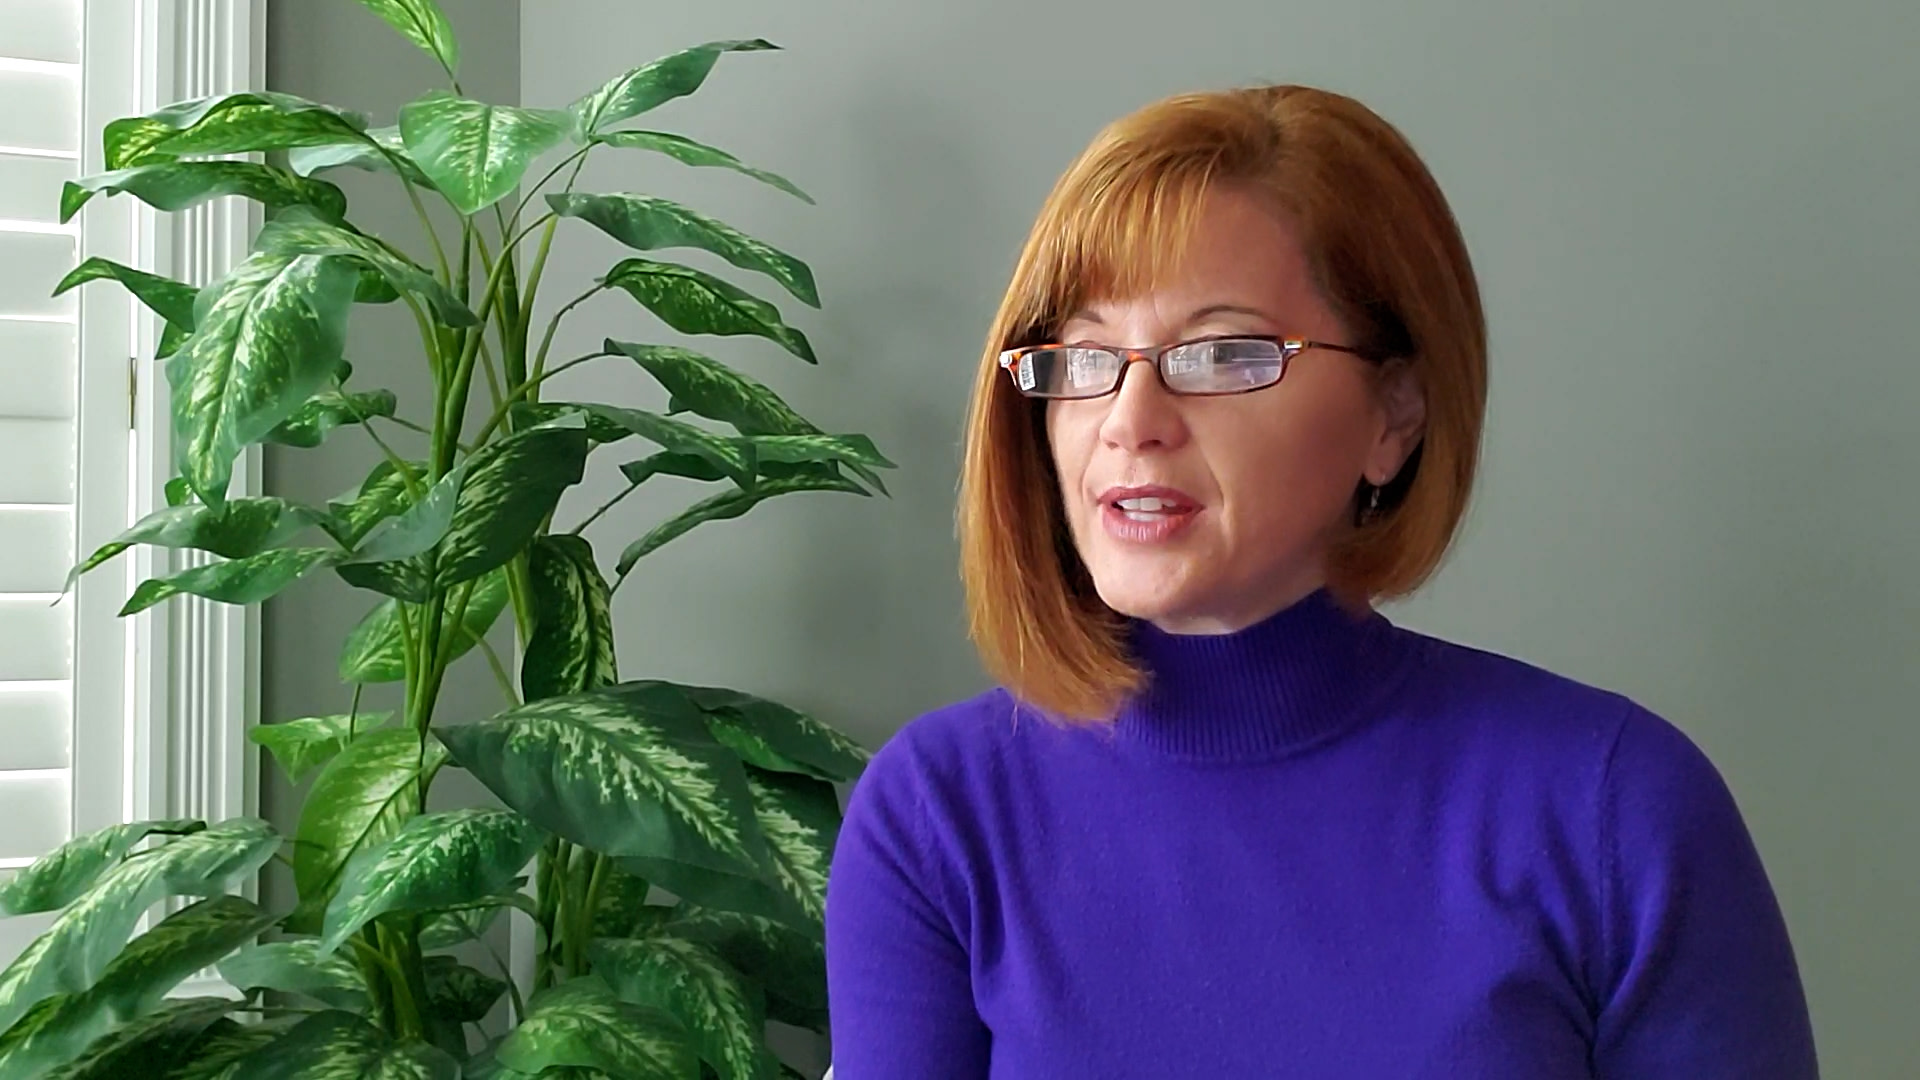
[670, 843]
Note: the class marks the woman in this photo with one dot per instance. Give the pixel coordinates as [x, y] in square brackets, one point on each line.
[1223, 820]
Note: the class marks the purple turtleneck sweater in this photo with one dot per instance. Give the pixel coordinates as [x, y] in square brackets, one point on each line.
[1319, 847]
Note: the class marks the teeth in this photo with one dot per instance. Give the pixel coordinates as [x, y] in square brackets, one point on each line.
[1147, 505]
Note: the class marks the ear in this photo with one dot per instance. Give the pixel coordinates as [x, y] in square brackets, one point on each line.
[1403, 407]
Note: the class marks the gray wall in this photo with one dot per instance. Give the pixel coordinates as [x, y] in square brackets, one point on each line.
[1697, 229]
[339, 53]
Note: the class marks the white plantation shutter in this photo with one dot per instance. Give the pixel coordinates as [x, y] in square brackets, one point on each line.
[40, 139]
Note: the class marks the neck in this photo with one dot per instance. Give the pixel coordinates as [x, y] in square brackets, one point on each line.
[1291, 680]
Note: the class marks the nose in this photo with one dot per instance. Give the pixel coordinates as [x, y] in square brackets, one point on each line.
[1143, 414]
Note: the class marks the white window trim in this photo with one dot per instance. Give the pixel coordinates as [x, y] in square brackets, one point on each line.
[183, 677]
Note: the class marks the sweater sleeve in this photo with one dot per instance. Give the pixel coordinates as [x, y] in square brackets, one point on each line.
[1697, 978]
[899, 981]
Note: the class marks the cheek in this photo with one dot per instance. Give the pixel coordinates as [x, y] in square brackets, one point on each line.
[1294, 468]
[1068, 442]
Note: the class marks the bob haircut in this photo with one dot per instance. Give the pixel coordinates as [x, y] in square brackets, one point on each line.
[1386, 254]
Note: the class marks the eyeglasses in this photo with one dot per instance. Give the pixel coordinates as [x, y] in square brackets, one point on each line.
[1207, 366]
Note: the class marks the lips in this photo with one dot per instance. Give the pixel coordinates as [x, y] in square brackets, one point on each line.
[1149, 514]
[1152, 498]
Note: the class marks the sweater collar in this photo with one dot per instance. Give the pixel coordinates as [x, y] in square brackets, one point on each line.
[1291, 680]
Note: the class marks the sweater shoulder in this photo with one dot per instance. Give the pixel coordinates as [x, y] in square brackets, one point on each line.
[1519, 699]
[939, 750]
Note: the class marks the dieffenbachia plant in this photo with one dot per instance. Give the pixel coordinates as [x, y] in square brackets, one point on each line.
[669, 842]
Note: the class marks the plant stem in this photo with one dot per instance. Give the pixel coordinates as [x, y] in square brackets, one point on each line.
[426, 222]
[499, 672]
[546, 341]
[526, 389]
[406, 474]
[590, 904]
[571, 159]
[454, 406]
[506, 976]
[604, 507]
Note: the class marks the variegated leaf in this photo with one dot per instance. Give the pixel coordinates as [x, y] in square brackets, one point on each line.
[57, 878]
[155, 1045]
[689, 152]
[387, 559]
[330, 409]
[448, 927]
[267, 337]
[730, 504]
[581, 1024]
[359, 800]
[732, 456]
[251, 580]
[70, 955]
[668, 463]
[651, 85]
[238, 529]
[800, 818]
[510, 487]
[790, 734]
[227, 124]
[379, 151]
[59, 1028]
[628, 770]
[178, 185]
[705, 386]
[300, 232]
[476, 153]
[817, 448]
[169, 299]
[303, 745]
[724, 1015]
[571, 648]
[790, 965]
[434, 860]
[216, 1054]
[341, 1046]
[423, 23]
[375, 651]
[623, 910]
[382, 495]
[295, 966]
[457, 993]
[650, 224]
[695, 302]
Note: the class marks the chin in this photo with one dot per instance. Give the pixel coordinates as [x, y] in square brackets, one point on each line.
[1152, 601]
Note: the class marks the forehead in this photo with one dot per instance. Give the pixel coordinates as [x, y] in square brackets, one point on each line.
[1238, 250]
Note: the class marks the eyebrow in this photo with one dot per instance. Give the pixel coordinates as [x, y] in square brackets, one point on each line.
[1088, 315]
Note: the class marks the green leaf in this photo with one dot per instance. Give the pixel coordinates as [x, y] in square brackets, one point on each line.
[423, 23]
[227, 124]
[60, 876]
[819, 449]
[628, 770]
[251, 580]
[731, 456]
[341, 1046]
[571, 648]
[790, 965]
[527, 414]
[183, 943]
[757, 728]
[301, 746]
[376, 649]
[71, 954]
[359, 799]
[694, 302]
[711, 389]
[296, 967]
[511, 486]
[300, 232]
[623, 910]
[269, 335]
[382, 495]
[476, 153]
[649, 224]
[178, 492]
[800, 817]
[177, 185]
[649, 86]
[453, 926]
[724, 1015]
[730, 504]
[458, 993]
[153, 1045]
[216, 1054]
[377, 152]
[415, 530]
[434, 860]
[581, 1024]
[171, 300]
[240, 528]
[330, 409]
[690, 152]
[668, 463]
